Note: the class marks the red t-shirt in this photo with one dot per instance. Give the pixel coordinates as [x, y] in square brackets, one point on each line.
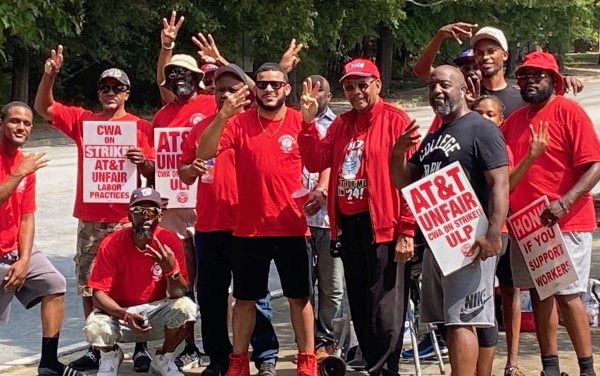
[573, 144]
[216, 202]
[186, 114]
[352, 191]
[21, 201]
[268, 171]
[70, 120]
[436, 124]
[128, 276]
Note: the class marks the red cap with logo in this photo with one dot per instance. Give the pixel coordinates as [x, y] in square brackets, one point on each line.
[206, 68]
[360, 67]
[547, 62]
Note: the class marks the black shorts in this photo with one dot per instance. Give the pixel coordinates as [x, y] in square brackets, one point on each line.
[251, 260]
[503, 271]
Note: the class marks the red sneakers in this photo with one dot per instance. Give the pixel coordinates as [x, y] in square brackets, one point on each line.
[239, 365]
[307, 364]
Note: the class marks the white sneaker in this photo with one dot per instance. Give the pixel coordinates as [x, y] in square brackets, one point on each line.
[110, 362]
[164, 365]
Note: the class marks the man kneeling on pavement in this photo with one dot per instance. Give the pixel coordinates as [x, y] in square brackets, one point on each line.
[139, 281]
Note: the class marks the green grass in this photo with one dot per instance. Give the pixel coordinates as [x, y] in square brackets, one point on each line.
[580, 59]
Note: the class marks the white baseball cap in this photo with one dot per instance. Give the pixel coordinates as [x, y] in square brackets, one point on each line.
[492, 33]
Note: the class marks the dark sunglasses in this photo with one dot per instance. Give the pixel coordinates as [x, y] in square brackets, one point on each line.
[121, 88]
[537, 76]
[276, 85]
[179, 72]
[151, 212]
[361, 86]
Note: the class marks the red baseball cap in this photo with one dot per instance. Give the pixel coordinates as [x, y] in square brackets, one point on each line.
[206, 68]
[360, 67]
[545, 61]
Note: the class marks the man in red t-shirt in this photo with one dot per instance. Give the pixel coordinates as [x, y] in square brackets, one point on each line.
[24, 271]
[139, 280]
[217, 208]
[270, 225]
[182, 78]
[565, 173]
[96, 220]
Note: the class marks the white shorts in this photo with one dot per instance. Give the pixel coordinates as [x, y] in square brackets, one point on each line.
[579, 246]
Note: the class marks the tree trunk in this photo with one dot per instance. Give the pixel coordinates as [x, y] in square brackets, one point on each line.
[384, 57]
[20, 72]
[511, 64]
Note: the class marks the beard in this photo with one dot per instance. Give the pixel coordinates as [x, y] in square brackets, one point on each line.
[183, 87]
[490, 73]
[270, 108]
[540, 96]
[445, 108]
[142, 231]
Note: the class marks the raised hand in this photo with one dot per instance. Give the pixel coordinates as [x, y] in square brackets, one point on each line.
[407, 140]
[473, 89]
[54, 62]
[31, 164]
[163, 256]
[207, 50]
[539, 140]
[308, 101]
[235, 102]
[170, 29]
[457, 30]
[290, 58]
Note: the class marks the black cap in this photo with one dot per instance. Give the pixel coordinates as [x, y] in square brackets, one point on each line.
[145, 194]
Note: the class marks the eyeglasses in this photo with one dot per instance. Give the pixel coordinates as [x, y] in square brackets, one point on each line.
[276, 85]
[178, 72]
[537, 76]
[362, 86]
[105, 89]
[150, 212]
[208, 81]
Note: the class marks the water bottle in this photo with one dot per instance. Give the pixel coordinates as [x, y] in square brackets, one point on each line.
[209, 176]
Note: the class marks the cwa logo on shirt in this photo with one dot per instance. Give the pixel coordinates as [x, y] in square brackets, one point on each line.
[22, 185]
[196, 118]
[286, 143]
[156, 272]
[353, 159]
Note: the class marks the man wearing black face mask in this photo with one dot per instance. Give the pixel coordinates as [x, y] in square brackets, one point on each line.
[135, 270]
[182, 79]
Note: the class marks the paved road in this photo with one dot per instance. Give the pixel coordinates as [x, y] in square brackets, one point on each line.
[55, 235]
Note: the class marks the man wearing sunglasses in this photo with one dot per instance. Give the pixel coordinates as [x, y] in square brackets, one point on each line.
[139, 280]
[25, 273]
[96, 220]
[565, 173]
[217, 211]
[182, 79]
[377, 227]
[269, 225]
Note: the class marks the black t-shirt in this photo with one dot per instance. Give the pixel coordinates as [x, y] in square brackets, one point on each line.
[510, 97]
[472, 140]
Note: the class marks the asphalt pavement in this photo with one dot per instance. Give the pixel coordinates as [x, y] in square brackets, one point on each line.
[55, 236]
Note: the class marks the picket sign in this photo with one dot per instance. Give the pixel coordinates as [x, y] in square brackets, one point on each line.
[167, 143]
[449, 215]
[108, 175]
[543, 249]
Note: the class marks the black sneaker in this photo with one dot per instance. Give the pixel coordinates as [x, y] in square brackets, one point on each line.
[215, 368]
[267, 369]
[142, 360]
[67, 371]
[88, 361]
